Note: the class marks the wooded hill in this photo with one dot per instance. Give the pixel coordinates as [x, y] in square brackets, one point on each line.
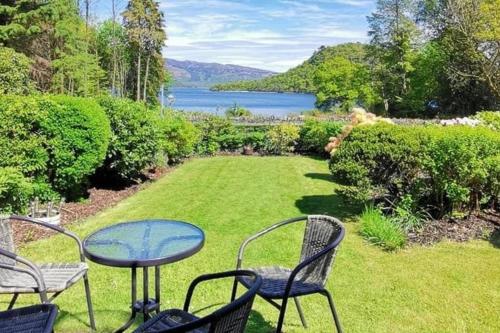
[300, 78]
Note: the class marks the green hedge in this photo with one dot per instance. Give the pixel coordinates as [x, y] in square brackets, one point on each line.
[78, 133]
[315, 135]
[135, 137]
[15, 191]
[179, 136]
[443, 168]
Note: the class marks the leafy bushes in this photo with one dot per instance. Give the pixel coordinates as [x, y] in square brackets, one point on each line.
[78, 133]
[15, 191]
[178, 136]
[443, 168]
[380, 230]
[490, 119]
[135, 137]
[215, 133]
[14, 72]
[282, 138]
[315, 134]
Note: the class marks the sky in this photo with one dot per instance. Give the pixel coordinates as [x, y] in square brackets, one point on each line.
[270, 34]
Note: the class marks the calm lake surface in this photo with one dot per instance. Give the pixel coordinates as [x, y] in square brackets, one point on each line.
[269, 104]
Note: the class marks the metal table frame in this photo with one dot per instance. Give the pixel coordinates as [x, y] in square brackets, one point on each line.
[146, 305]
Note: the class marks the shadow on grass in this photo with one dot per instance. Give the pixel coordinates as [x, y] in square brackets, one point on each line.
[495, 238]
[322, 176]
[257, 323]
[331, 204]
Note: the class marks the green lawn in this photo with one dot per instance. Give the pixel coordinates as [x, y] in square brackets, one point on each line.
[449, 287]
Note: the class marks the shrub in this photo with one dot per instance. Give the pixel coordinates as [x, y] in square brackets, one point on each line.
[490, 119]
[178, 136]
[255, 139]
[445, 168]
[213, 131]
[379, 230]
[135, 137]
[14, 72]
[282, 138]
[22, 141]
[315, 134]
[15, 191]
[78, 133]
[378, 161]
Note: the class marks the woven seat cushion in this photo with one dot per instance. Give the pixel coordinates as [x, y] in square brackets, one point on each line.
[33, 319]
[169, 319]
[57, 277]
[274, 280]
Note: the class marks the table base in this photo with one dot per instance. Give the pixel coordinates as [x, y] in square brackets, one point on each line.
[146, 305]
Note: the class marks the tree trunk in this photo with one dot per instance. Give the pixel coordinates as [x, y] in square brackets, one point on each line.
[146, 75]
[138, 96]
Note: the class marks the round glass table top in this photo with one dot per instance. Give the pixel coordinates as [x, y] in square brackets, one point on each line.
[143, 243]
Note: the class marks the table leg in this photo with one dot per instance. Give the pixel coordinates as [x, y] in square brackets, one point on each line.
[134, 300]
[157, 288]
[145, 290]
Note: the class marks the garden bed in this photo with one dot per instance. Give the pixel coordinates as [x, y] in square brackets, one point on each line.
[480, 226]
[98, 200]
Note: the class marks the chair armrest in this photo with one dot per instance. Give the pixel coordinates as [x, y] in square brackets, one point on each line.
[209, 277]
[54, 228]
[31, 270]
[331, 247]
[262, 233]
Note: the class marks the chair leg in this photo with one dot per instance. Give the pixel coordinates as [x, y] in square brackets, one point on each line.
[334, 312]
[13, 301]
[301, 313]
[281, 318]
[89, 301]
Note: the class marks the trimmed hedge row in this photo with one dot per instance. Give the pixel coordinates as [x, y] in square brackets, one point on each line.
[52, 145]
[442, 168]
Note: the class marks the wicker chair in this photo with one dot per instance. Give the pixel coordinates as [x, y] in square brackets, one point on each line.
[32, 319]
[322, 237]
[19, 275]
[231, 318]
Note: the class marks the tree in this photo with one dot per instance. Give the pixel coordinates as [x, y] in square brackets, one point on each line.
[342, 82]
[143, 24]
[394, 36]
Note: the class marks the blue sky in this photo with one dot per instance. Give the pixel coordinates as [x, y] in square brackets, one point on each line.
[268, 34]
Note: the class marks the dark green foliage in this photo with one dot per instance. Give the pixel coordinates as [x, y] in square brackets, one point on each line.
[14, 72]
[443, 168]
[135, 137]
[15, 191]
[178, 136]
[78, 134]
[315, 134]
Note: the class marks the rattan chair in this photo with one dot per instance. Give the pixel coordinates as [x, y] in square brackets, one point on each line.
[231, 318]
[322, 237]
[32, 319]
[19, 275]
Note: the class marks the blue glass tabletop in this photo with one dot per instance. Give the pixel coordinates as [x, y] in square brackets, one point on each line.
[143, 243]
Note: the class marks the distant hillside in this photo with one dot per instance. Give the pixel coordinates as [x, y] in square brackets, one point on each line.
[300, 78]
[200, 74]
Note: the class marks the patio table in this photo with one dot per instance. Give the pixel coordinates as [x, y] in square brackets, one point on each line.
[146, 243]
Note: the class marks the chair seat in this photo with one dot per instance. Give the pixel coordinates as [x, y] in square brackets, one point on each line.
[33, 319]
[169, 319]
[274, 280]
[57, 277]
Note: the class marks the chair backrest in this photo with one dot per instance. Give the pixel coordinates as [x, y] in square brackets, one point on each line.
[321, 233]
[6, 240]
[233, 317]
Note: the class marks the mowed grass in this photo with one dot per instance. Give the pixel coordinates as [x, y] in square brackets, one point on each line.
[449, 287]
